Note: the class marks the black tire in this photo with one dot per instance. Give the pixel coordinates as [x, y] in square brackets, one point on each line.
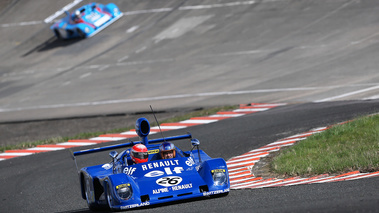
[91, 206]
[109, 197]
[81, 33]
[57, 34]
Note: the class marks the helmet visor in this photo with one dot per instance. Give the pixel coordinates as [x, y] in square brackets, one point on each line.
[140, 155]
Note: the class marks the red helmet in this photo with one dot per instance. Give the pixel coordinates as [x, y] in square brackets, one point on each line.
[139, 153]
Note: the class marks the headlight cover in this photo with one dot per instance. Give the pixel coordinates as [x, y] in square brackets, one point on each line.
[219, 177]
[124, 191]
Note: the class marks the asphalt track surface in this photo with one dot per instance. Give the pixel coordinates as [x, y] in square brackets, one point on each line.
[48, 182]
[177, 55]
[180, 54]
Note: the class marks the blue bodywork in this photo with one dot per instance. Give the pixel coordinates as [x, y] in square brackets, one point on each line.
[120, 184]
[94, 18]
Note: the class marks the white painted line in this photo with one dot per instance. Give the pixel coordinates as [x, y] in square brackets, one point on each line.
[242, 159]
[160, 10]
[141, 49]
[61, 11]
[339, 178]
[128, 133]
[46, 148]
[226, 115]
[243, 182]
[372, 97]
[348, 94]
[85, 75]
[234, 169]
[198, 121]
[170, 127]
[259, 155]
[240, 164]
[22, 24]
[132, 29]
[16, 153]
[237, 176]
[365, 39]
[285, 182]
[123, 59]
[181, 27]
[255, 184]
[305, 182]
[149, 99]
[364, 176]
[103, 67]
[76, 144]
[285, 141]
[251, 110]
[200, 7]
[107, 138]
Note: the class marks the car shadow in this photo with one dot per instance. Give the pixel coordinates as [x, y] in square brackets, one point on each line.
[52, 43]
[155, 206]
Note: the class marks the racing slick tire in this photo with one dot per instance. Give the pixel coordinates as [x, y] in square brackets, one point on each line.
[57, 34]
[92, 206]
[81, 33]
[109, 196]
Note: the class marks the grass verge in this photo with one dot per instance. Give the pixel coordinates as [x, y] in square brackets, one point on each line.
[87, 135]
[342, 148]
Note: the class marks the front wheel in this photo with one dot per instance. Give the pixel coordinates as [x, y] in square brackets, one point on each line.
[81, 33]
[109, 196]
[57, 34]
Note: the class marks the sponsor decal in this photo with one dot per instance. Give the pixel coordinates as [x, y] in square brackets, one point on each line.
[129, 170]
[180, 187]
[158, 191]
[135, 205]
[155, 173]
[153, 151]
[122, 185]
[169, 181]
[167, 171]
[215, 192]
[174, 188]
[160, 164]
[218, 170]
[190, 161]
[107, 166]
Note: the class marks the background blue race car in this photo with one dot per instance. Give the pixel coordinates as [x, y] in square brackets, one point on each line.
[86, 21]
[121, 184]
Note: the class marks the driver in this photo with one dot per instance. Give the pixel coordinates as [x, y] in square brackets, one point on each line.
[167, 150]
[139, 154]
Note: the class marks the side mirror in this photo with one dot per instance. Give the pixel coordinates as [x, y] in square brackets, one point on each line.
[195, 142]
[113, 154]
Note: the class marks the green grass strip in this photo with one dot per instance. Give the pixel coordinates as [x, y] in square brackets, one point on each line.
[87, 135]
[342, 148]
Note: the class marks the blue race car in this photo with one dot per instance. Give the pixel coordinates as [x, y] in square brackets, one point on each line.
[86, 21]
[121, 184]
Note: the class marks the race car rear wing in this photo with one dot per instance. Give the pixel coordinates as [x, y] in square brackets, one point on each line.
[142, 130]
[158, 140]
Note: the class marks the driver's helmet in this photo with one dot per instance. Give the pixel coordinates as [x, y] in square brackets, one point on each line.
[166, 148]
[77, 14]
[139, 153]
